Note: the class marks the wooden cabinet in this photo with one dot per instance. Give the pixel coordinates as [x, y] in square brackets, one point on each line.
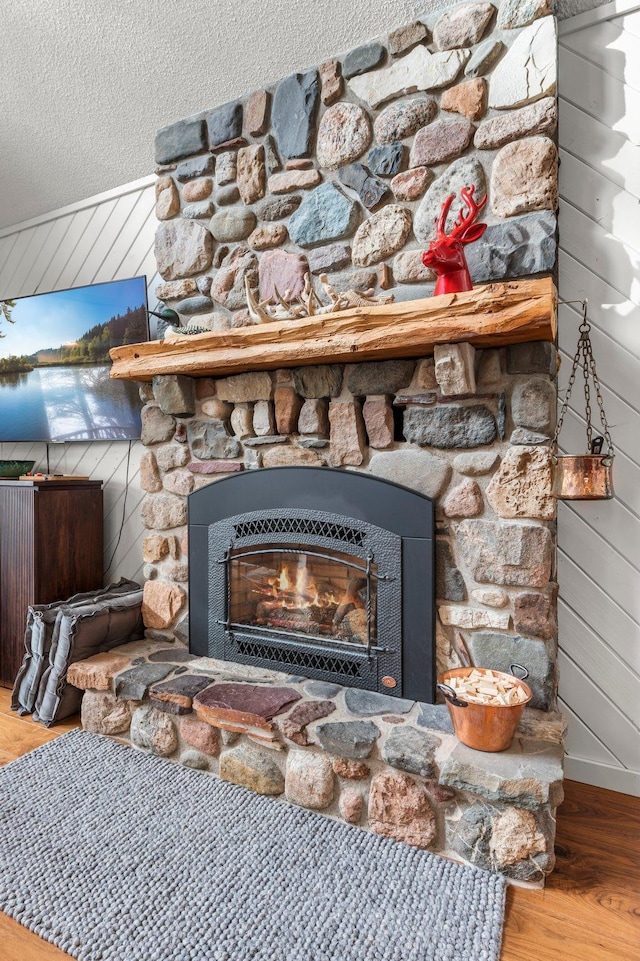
[51, 546]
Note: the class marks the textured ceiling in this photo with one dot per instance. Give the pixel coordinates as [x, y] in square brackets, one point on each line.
[86, 84]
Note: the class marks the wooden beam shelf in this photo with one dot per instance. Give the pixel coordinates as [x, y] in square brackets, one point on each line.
[493, 315]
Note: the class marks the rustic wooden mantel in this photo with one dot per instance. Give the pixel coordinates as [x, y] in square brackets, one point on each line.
[492, 315]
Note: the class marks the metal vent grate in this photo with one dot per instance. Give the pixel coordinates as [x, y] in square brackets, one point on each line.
[300, 658]
[300, 525]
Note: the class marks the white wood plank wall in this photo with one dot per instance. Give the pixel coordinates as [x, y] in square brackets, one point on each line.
[599, 542]
[108, 237]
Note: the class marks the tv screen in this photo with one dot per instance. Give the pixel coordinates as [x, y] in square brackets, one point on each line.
[54, 363]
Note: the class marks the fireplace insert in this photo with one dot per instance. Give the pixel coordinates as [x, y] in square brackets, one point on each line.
[323, 573]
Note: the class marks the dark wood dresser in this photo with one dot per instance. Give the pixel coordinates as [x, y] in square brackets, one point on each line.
[51, 546]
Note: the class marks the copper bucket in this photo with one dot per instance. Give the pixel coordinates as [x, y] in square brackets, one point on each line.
[583, 477]
[484, 727]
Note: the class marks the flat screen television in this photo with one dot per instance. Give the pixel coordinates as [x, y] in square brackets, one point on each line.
[54, 363]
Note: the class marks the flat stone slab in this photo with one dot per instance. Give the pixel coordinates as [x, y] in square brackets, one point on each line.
[229, 671]
[352, 739]
[265, 440]
[450, 427]
[411, 750]
[418, 70]
[293, 113]
[321, 689]
[362, 59]
[294, 726]
[143, 648]
[498, 651]
[527, 72]
[368, 703]
[529, 773]
[179, 140]
[436, 717]
[175, 696]
[172, 655]
[96, 673]
[133, 685]
[243, 704]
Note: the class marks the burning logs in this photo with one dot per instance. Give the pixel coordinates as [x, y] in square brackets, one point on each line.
[354, 626]
[352, 599]
[308, 620]
[324, 621]
[297, 599]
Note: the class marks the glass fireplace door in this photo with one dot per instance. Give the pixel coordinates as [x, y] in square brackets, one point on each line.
[303, 592]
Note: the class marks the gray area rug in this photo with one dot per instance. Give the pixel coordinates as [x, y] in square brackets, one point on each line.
[115, 855]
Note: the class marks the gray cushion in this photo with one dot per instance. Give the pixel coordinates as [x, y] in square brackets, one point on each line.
[79, 632]
[37, 641]
[38, 635]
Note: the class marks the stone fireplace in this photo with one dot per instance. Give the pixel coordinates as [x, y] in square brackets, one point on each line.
[474, 481]
[321, 572]
[296, 618]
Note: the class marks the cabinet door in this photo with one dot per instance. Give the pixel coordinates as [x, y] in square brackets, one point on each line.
[68, 537]
[50, 548]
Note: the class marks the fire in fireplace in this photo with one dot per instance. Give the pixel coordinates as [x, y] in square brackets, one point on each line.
[321, 572]
[299, 591]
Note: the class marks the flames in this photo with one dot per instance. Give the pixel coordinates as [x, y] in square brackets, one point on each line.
[294, 586]
[295, 594]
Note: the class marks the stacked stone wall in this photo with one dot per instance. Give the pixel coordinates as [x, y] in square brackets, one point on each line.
[341, 170]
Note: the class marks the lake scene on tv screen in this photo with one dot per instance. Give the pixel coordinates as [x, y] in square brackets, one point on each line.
[54, 363]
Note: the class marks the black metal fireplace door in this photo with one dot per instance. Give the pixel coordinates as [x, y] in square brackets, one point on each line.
[317, 572]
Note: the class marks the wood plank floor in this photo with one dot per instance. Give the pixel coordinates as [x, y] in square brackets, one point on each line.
[589, 910]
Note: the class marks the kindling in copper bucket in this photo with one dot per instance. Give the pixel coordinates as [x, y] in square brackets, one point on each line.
[485, 726]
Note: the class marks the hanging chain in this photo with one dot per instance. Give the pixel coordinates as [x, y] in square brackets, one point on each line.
[585, 344]
[603, 416]
[585, 359]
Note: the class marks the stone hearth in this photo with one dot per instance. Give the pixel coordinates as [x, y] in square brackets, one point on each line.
[391, 766]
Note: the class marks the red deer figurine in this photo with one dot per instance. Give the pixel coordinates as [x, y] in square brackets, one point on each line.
[445, 253]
